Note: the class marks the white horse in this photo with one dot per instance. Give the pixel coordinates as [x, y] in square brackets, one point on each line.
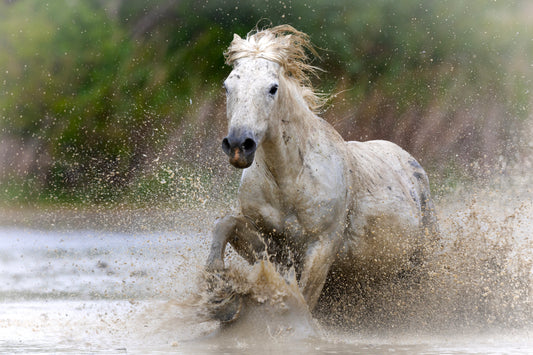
[308, 199]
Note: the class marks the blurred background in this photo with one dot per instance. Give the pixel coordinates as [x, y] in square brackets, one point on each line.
[120, 101]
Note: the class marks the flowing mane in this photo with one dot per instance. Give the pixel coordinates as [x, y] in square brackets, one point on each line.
[286, 46]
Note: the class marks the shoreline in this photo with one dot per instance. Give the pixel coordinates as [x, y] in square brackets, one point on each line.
[114, 218]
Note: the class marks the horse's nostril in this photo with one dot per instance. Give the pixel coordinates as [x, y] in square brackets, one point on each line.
[248, 145]
[225, 145]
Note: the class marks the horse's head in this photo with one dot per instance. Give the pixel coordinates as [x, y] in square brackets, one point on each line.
[252, 96]
[266, 64]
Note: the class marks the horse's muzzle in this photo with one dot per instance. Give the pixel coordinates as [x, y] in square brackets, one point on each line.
[240, 150]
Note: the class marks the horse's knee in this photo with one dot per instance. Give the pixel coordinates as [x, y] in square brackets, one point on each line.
[250, 245]
[224, 229]
[242, 235]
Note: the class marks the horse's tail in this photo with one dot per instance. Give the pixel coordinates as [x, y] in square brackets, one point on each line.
[429, 216]
[429, 234]
[430, 225]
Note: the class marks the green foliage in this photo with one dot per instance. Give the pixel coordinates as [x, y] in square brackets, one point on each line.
[97, 88]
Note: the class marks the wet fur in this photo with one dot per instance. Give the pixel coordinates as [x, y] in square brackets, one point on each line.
[310, 200]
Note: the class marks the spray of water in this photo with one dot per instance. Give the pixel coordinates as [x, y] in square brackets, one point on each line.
[153, 295]
[477, 278]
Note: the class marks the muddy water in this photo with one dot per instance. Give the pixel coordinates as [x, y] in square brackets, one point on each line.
[69, 289]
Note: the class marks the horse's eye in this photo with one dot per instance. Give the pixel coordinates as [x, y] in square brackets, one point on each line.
[273, 89]
[225, 88]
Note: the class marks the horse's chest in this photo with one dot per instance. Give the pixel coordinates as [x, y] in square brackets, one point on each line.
[281, 216]
[303, 205]
[272, 215]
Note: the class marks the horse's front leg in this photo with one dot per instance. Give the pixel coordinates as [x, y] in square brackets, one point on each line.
[224, 303]
[317, 262]
[241, 234]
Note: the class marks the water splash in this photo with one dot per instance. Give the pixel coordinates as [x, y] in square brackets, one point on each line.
[272, 304]
[478, 278]
[474, 293]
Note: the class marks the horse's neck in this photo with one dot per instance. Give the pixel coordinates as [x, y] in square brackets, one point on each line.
[284, 150]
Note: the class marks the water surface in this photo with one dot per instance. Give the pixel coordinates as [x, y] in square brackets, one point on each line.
[79, 290]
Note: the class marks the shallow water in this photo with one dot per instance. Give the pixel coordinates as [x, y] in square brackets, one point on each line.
[71, 290]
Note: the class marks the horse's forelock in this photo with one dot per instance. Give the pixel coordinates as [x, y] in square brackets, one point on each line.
[283, 45]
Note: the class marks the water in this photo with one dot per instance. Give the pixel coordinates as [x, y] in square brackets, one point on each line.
[78, 289]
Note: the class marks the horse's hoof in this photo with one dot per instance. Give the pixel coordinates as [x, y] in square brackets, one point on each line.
[227, 310]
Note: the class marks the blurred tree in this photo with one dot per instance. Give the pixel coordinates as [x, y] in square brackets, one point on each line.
[93, 91]
[62, 64]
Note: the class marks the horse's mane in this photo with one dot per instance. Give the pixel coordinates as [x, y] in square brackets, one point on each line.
[283, 45]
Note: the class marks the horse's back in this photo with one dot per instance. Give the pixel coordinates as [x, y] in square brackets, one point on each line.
[389, 163]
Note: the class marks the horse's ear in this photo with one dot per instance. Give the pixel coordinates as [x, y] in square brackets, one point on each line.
[236, 37]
